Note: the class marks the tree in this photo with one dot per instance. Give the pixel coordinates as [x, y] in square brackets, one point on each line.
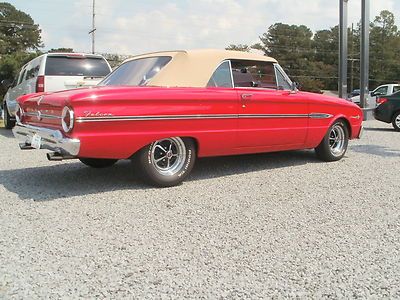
[19, 41]
[11, 64]
[239, 47]
[384, 49]
[17, 30]
[61, 50]
[292, 46]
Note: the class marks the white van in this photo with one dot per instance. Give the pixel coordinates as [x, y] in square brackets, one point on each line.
[53, 72]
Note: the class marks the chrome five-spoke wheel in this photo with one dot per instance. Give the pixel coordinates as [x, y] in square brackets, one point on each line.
[166, 162]
[168, 155]
[334, 145]
[337, 140]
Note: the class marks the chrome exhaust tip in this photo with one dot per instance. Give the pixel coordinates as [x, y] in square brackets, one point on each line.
[25, 146]
[56, 156]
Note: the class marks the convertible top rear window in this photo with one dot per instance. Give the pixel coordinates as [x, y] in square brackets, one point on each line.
[137, 72]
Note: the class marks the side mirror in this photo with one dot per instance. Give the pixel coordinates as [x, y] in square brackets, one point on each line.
[6, 83]
[294, 87]
[373, 94]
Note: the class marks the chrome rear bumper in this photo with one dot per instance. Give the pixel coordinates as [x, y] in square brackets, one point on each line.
[51, 139]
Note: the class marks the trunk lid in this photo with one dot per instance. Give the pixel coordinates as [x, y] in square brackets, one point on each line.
[43, 109]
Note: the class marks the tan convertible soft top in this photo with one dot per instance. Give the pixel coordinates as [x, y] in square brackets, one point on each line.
[194, 68]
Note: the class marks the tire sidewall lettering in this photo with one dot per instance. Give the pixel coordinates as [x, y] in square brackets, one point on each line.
[188, 160]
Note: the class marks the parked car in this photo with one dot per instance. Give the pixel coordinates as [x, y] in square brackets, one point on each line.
[53, 72]
[382, 90]
[388, 110]
[354, 93]
[165, 109]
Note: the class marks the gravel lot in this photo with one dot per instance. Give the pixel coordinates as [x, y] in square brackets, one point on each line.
[271, 225]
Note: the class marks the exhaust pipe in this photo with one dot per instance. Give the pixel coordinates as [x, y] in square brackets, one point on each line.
[56, 156]
[24, 146]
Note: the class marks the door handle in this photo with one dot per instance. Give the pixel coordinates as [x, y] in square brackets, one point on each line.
[246, 96]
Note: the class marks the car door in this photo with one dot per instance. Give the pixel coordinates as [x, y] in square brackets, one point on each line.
[270, 113]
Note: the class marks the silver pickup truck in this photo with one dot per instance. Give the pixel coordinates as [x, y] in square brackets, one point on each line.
[382, 90]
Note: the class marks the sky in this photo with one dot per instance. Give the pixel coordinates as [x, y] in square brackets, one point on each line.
[131, 27]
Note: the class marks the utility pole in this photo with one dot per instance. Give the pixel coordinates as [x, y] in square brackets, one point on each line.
[352, 58]
[343, 51]
[93, 25]
[364, 59]
[364, 78]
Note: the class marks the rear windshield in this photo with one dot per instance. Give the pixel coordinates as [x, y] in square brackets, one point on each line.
[137, 72]
[73, 66]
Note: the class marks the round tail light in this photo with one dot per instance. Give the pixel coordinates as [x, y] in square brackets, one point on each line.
[19, 114]
[67, 119]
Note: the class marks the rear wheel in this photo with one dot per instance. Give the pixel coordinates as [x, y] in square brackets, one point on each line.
[396, 121]
[166, 162]
[334, 145]
[98, 162]
[8, 122]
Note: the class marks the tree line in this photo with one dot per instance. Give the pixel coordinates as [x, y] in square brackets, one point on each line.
[312, 59]
[309, 58]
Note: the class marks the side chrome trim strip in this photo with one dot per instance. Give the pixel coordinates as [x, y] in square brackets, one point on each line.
[197, 117]
[272, 116]
[320, 116]
[148, 118]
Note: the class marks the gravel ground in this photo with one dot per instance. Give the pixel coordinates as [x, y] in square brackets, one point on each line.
[279, 225]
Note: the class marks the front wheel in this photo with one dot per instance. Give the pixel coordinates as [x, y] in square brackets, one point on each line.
[98, 162]
[334, 144]
[396, 121]
[8, 122]
[166, 162]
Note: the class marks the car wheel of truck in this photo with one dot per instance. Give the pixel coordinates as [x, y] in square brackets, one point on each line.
[98, 162]
[396, 121]
[166, 162]
[8, 122]
[334, 144]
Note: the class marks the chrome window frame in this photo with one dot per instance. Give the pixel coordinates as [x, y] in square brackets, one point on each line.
[230, 71]
[279, 69]
[253, 87]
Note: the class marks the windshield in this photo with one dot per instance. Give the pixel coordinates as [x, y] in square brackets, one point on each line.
[74, 66]
[137, 72]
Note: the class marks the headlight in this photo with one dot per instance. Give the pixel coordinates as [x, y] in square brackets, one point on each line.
[19, 114]
[67, 119]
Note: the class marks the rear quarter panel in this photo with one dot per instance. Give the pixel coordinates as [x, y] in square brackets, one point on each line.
[122, 138]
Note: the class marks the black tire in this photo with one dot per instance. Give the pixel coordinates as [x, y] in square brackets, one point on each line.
[166, 162]
[8, 122]
[334, 145]
[98, 163]
[396, 121]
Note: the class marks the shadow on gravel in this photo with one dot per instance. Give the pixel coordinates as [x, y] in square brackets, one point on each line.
[376, 150]
[6, 133]
[214, 167]
[379, 129]
[64, 180]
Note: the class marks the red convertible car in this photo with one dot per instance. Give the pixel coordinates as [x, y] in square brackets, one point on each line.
[165, 109]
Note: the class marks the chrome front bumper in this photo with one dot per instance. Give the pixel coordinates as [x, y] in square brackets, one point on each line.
[50, 139]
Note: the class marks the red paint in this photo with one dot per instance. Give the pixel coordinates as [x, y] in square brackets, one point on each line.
[236, 135]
